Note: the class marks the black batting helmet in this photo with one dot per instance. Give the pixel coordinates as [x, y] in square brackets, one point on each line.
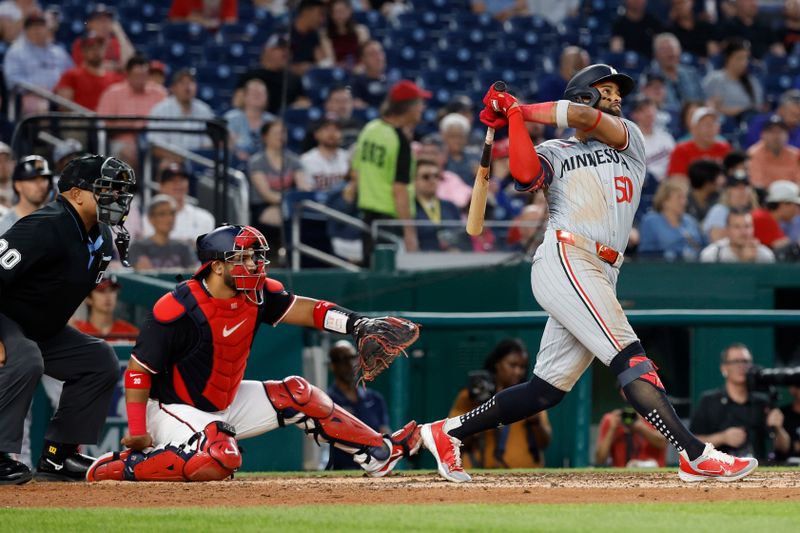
[31, 167]
[581, 89]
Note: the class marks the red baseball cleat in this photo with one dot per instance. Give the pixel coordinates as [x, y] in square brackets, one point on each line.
[404, 442]
[446, 450]
[713, 464]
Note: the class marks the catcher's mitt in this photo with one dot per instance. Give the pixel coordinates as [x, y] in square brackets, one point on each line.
[379, 341]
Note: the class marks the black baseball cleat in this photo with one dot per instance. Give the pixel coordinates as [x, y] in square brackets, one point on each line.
[13, 472]
[72, 468]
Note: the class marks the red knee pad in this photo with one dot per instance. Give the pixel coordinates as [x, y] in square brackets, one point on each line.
[160, 465]
[297, 393]
[218, 457]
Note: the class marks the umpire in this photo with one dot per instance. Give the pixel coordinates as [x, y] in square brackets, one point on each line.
[49, 262]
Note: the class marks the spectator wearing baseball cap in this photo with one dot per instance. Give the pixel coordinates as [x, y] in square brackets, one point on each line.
[160, 251]
[84, 84]
[101, 304]
[157, 72]
[789, 111]
[704, 126]
[210, 14]
[772, 158]
[384, 162]
[33, 185]
[103, 21]
[190, 219]
[737, 194]
[782, 208]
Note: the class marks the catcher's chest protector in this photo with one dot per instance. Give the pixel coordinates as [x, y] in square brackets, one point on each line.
[212, 371]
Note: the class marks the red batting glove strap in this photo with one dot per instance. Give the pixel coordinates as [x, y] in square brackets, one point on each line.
[497, 101]
[137, 418]
[492, 119]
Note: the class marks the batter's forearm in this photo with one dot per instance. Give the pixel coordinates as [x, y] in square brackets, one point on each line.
[523, 161]
[606, 128]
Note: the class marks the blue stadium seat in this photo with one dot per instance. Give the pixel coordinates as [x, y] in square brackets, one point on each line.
[176, 55]
[372, 19]
[187, 34]
[407, 59]
[450, 78]
[460, 22]
[240, 32]
[366, 114]
[302, 116]
[397, 39]
[462, 59]
[317, 81]
[218, 75]
[421, 19]
[519, 59]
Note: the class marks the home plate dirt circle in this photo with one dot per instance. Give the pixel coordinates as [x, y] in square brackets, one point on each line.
[547, 487]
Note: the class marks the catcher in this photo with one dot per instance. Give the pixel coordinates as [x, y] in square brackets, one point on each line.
[187, 403]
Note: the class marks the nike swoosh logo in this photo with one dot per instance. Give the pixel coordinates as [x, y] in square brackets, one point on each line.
[226, 332]
[57, 467]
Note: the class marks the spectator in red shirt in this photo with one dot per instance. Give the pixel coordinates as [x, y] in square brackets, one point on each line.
[626, 439]
[84, 84]
[102, 302]
[703, 144]
[103, 22]
[210, 14]
[782, 205]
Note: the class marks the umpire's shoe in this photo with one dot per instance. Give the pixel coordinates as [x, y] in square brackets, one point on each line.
[72, 468]
[13, 472]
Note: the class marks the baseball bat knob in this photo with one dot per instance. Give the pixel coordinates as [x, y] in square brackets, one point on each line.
[500, 86]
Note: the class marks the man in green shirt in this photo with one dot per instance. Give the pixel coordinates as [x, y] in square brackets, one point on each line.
[384, 164]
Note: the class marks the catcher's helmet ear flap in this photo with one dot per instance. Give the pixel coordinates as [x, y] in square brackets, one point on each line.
[581, 89]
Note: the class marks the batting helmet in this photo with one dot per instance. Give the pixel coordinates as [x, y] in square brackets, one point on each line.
[229, 243]
[31, 167]
[108, 178]
[581, 89]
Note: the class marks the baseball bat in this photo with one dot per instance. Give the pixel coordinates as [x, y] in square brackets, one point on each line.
[477, 206]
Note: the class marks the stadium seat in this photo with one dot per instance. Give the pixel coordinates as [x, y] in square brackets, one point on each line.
[407, 60]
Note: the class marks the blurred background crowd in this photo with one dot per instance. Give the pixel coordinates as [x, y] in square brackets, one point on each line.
[310, 90]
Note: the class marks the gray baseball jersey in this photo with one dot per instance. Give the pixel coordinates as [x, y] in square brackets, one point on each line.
[594, 191]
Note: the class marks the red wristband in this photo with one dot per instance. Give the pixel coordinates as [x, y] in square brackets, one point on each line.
[137, 418]
[333, 318]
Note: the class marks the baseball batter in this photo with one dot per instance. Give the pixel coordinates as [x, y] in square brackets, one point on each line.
[186, 400]
[593, 182]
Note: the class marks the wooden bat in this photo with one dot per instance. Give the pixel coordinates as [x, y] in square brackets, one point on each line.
[477, 206]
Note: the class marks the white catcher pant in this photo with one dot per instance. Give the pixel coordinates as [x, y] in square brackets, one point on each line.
[578, 290]
[251, 414]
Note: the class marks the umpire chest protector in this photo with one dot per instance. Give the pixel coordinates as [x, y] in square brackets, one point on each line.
[209, 374]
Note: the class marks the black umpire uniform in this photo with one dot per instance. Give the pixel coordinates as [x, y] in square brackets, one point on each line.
[49, 262]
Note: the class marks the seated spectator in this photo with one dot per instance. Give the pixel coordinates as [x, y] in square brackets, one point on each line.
[101, 303]
[35, 59]
[276, 8]
[339, 107]
[732, 90]
[245, 124]
[518, 445]
[626, 439]
[789, 112]
[119, 50]
[696, 34]
[308, 47]
[780, 212]
[370, 85]
[740, 245]
[133, 96]
[790, 33]
[668, 232]
[7, 165]
[705, 179]
[733, 419]
[273, 172]
[64, 152]
[344, 33]
[772, 158]
[33, 185]
[462, 105]
[432, 209]
[281, 83]
[634, 29]
[345, 238]
[12, 15]
[326, 165]
[85, 84]
[451, 188]
[681, 82]
[181, 104]
[160, 251]
[746, 24]
[791, 424]
[461, 159]
[157, 73]
[572, 59]
[736, 194]
[658, 143]
[501, 10]
[210, 14]
[703, 143]
[365, 404]
[554, 12]
[654, 89]
[190, 220]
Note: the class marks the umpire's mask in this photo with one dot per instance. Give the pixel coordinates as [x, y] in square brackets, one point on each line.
[110, 181]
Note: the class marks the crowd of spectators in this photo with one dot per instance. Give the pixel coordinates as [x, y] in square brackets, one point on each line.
[314, 113]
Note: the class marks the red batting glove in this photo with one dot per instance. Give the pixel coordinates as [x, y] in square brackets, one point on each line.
[492, 119]
[499, 102]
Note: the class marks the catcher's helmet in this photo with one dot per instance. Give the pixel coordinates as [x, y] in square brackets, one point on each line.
[108, 178]
[229, 243]
[581, 89]
[31, 167]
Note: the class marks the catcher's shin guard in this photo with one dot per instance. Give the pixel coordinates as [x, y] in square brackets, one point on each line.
[299, 402]
[215, 456]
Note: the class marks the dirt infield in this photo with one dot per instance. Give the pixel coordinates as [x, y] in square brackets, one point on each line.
[547, 487]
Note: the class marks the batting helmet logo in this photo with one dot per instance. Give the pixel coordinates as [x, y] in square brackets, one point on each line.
[581, 89]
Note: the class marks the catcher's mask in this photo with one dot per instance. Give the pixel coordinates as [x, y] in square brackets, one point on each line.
[242, 247]
[580, 88]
